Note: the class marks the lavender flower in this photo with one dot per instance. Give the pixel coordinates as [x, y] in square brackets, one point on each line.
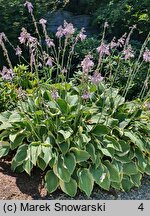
[6, 73]
[29, 6]
[128, 53]
[49, 62]
[96, 78]
[54, 94]
[24, 36]
[113, 43]
[43, 23]
[18, 51]
[60, 32]
[81, 35]
[146, 56]
[103, 49]
[121, 41]
[49, 42]
[87, 64]
[86, 95]
[21, 94]
[68, 29]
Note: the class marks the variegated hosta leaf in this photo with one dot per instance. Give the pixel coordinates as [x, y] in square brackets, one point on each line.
[51, 181]
[86, 181]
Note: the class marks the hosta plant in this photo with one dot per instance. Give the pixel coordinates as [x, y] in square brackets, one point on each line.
[78, 129]
[79, 142]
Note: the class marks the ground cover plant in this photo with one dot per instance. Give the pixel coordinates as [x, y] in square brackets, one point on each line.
[76, 126]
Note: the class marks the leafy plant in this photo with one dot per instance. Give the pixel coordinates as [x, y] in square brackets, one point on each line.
[82, 130]
[103, 141]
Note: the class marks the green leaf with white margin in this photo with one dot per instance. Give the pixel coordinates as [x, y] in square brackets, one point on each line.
[123, 159]
[108, 152]
[34, 151]
[14, 117]
[61, 171]
[17, 139]
[21, 153]
[100, 130]
[81, 155]
[136, 179]
[69, 188]
[51, 181]
[105, 179]
[125, 148]
[130, 168]
[72, 99]
[4, 116]
[47, 153]
[91, 150]
[97, 173]
[19, 158]
[136, 140]
[70, 162]
[86, 181]
[126, 183]
[64, 146]
[5, 126]
[41, 163]
[147, 169]
[63, 106]
[4, 148]
[114, 173]
[112, 143]
[116, 185]
[141, 160]
[28, 166]
[66, 133]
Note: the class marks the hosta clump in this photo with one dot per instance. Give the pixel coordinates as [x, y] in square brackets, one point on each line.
[79, 142]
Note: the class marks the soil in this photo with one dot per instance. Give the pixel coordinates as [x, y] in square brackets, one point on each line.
[20, 186]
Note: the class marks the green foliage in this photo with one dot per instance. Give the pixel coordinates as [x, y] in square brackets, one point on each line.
[109, 144]
[80, 131]
[11, 92]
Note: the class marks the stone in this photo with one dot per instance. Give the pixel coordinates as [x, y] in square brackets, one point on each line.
[57, 18]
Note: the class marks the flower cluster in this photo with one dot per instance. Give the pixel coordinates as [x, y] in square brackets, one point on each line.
[146, 55]
[67, 30]
[6, 73]
[81, 35]
[103, 49]
[96, 78]
[26, 37]
[48, 60]
[87, 64]
[128, 53]
[18, 51]
[43, 23]
[86, 95]
[49, 42]
[54, 94]
[29, 6]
